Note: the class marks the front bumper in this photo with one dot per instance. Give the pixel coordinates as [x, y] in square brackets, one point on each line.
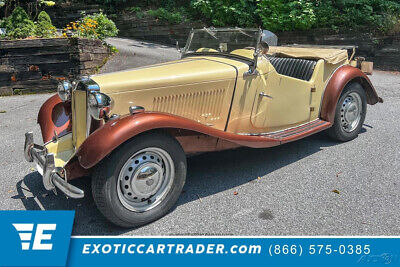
[46, 167]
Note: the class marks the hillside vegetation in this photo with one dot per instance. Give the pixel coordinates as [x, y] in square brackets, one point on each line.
[276, 15]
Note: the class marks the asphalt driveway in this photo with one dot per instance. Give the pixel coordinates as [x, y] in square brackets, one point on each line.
[286, 190]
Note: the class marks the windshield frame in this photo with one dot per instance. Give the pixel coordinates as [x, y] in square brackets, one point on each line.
[229, 55]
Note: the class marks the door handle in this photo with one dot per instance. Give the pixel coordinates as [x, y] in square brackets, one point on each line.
[265, 95]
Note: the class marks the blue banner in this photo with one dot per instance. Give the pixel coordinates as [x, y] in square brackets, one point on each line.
[35, 238]
[43, 238]
[231, 251]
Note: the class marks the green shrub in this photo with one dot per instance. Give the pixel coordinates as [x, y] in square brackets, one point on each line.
[105, 27]
[378, 15]
[44, 27]
[133, 9]
[5, 23]
[281, 15]
[19, 25]
[226, 12]
[288, 15]
[163, 14]
[95, 26]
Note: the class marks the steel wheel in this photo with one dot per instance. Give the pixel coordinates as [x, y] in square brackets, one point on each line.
[145, 179]
[350, 112]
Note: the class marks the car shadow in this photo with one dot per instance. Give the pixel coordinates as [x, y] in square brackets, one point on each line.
[208, 174]
[215, 172]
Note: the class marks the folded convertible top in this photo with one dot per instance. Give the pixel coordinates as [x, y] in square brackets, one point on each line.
[332, 56]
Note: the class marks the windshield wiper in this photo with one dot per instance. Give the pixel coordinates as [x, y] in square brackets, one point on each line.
[242, 32]
[210, 33]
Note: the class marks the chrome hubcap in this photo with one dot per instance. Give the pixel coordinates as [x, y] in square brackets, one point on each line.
[145, 179]
[350, 112]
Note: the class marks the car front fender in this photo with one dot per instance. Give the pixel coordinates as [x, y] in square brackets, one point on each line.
[54, 116]
[340, 78]
[115, 132]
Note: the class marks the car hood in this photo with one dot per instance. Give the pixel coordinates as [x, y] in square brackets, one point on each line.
[174, 73]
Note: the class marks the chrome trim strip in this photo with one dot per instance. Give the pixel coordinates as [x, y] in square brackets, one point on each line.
[275, 132]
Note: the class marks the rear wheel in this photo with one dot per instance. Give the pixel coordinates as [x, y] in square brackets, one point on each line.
[140, 181]
[350, 113]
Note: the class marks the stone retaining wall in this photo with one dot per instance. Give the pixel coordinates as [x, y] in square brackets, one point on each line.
[36, 65]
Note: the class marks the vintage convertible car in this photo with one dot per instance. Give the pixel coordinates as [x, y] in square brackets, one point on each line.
[132, 130]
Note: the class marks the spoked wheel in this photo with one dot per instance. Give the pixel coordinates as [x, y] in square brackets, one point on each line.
[140, 181]
[350, 113]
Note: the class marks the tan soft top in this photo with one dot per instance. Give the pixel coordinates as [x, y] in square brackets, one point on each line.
[332, 56]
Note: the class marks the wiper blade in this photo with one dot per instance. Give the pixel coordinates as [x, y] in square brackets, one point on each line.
[210, 33]
[242, 32]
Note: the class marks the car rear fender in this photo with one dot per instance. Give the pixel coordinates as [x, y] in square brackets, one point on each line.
[115, 132]
[54, 116]
[340, 78]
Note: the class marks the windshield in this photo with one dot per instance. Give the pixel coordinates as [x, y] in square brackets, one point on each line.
[221, 41]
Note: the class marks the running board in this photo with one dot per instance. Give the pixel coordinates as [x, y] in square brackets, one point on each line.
[300, 131]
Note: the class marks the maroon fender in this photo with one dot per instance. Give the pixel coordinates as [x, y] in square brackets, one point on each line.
[342, 76]
[115, 132]
[54, 116]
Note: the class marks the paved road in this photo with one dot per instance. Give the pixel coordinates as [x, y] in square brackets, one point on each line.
[285, 190]
[137, 53]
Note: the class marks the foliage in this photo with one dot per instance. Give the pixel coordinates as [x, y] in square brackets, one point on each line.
[19, 25]
[105, 27]
[32, 7]
[226, 12]
[287, 15]
[111, 48]
[135, 10]
[46, 3]
[96, 26]
[377, 15]
[276, 15]
[166, 15]
[44, 27]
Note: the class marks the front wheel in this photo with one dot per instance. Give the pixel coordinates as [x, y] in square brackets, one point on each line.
[350, 113]
[140, 181]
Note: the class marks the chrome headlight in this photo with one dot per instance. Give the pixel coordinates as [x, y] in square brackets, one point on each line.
[99, 105]
[64, 90]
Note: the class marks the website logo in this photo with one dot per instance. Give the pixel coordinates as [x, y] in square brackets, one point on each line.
[35, 238]
[25, 231]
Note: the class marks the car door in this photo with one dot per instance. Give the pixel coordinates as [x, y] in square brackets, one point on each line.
[281, 102]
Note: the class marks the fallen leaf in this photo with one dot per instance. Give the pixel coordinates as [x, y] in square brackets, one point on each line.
[336, 191]
[10, 191]
[235, 193]
[259, 178]
[45, 195]
[3, 111]
[32, 169]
